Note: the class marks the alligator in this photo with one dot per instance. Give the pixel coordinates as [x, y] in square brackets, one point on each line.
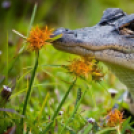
[111, 41]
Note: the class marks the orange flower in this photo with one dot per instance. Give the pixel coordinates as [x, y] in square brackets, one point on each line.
[83, 67]
[38, 37]
[79, 67]
[115, 117]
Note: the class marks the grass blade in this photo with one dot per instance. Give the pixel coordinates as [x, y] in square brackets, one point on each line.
[43, 105]
[59, 107]
[32, 19]
[21, 50]
[7, 62]
[78, 96]
[72, 116]
[29, 28]
[30, 86]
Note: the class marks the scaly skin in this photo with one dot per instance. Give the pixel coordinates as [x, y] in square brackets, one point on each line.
[106, 45]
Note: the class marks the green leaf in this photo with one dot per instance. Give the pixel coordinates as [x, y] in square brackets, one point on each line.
[106, 130]
[88, 129]
[126, 125]
[55, 37]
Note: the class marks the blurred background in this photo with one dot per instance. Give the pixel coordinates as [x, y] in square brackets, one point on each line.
[72, 14]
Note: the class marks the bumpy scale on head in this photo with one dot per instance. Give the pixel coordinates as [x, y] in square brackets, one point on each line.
[111, 14]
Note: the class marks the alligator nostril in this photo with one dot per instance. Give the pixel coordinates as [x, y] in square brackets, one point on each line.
[63, 31]
[57, 32]
[70, 32]
[75, 35]
[66, 29]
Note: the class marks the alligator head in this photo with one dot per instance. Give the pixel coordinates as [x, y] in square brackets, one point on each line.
[106, 44]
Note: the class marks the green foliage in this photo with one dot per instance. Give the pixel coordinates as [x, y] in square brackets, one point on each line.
[51, 80]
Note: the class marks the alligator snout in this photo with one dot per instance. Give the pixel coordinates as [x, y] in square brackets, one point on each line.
[62, 31]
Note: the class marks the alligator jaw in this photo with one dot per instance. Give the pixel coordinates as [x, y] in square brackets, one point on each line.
[74, 50]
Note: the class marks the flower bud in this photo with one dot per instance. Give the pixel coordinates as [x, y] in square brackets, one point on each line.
[91, 120]
[61, 112]
[113, 92]
[6, 92]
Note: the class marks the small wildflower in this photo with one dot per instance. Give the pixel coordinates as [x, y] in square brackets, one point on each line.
[11, 130]
[10, 43]
[4, 95]
[97, 75]
[115, 117]
[6, 4]
[128, 132]
[61, 112]
[6, 92]
[38, 37]
[80, 67]
[113, 92]
[91, 120]
[85, 67]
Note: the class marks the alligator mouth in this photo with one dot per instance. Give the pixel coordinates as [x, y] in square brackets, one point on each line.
[80, 48]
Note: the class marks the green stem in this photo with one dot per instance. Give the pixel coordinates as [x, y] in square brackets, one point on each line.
[7, 63]
[29, 87]
[75, 110]
[59, 107]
